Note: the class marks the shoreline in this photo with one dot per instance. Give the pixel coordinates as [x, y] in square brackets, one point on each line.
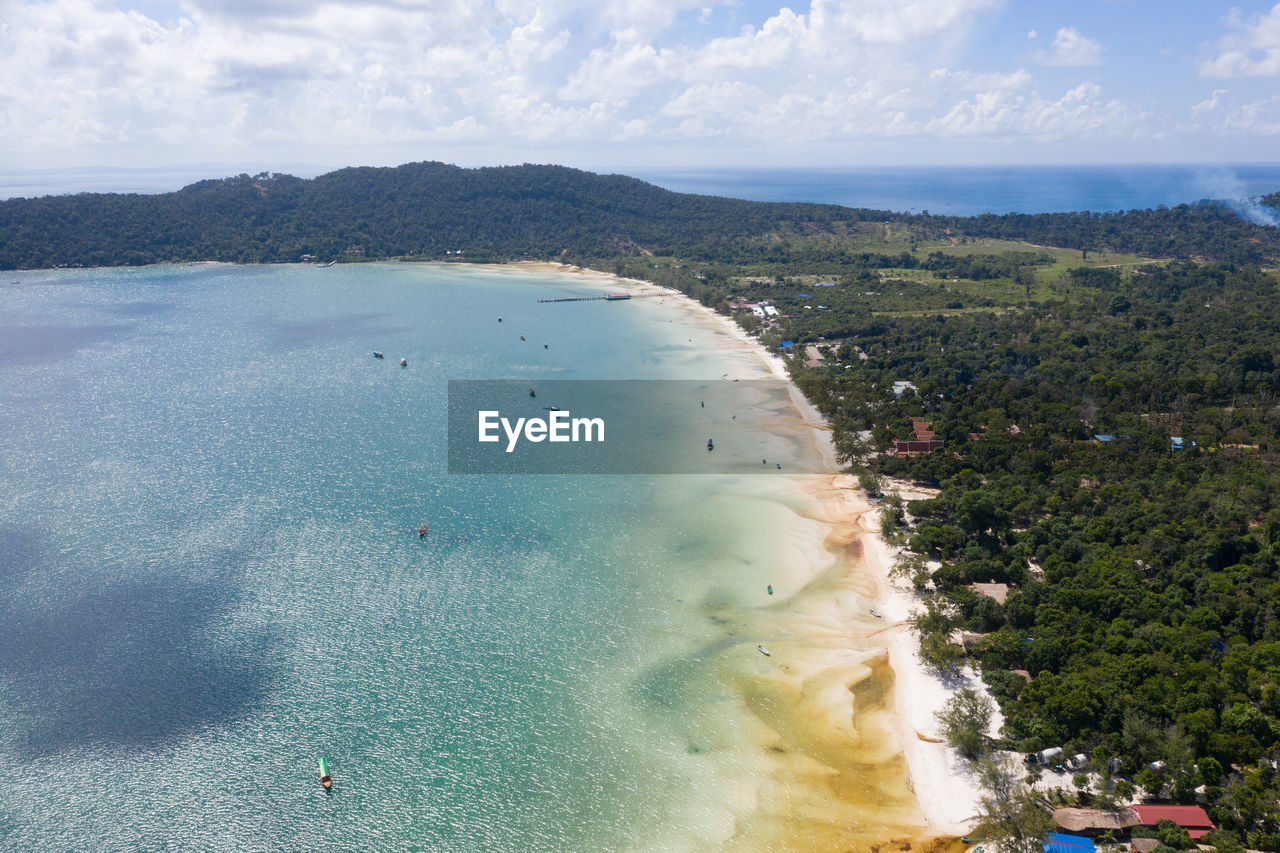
[856, 679]
[814, 744]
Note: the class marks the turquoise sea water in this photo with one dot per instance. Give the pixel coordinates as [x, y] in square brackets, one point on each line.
[210, 575]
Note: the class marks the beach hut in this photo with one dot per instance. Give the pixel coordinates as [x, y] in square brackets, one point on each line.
[1050, 755]
[1093, 821]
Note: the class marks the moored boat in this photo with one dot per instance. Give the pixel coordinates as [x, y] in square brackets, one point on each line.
[326, 781]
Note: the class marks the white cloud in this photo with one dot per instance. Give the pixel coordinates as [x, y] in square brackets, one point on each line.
[619, 72]
[1220, 115]
[221, 79]
[1081, 110]
[1253, 50]
[973, 82]
[1071, 49]
[530, 43]
[876, 22]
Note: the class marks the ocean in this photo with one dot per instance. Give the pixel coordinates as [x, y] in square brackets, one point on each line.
[971, 190]
[210, 575]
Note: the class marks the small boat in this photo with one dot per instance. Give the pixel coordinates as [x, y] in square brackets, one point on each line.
[552, 408]
[325, 266]
[770, 588]
[404, 363]
[763, 651]
[377, 354]
[522, 337]
[531, 394]
[710, 446]
[875, 613]
[422, 531]
[326, 781]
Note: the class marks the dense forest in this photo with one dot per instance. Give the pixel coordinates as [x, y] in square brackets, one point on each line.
[421, 210]
[433, 211]
[1142, 627]
[1206, 229]
[1107, 388]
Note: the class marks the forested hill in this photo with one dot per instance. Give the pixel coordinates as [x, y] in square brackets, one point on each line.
[418, 210]
[433, 210]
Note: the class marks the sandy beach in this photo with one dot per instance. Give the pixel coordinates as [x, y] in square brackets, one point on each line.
[845, 710]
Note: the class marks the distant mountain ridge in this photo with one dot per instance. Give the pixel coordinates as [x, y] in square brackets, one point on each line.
[435, 210]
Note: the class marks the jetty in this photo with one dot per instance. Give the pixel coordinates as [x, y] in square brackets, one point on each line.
[609, 297]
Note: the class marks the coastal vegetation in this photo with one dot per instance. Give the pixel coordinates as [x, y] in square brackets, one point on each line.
[436, 211]
[1106, 388]
[1111, 457]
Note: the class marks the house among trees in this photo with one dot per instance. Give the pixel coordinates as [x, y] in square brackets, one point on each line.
[997, 591]
[924, 441]
[1193, 819]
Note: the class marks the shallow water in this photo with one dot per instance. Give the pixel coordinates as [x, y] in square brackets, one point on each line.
[209, 573]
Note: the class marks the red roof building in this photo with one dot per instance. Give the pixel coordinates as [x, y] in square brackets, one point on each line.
[913, 448]
[924, 442]
[1191, 818]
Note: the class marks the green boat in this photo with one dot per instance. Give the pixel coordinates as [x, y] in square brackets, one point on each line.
[325, 779]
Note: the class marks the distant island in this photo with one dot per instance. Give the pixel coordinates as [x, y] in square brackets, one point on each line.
[1094, 399]
[434, 211]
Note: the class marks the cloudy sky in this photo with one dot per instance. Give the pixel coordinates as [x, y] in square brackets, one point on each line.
[612, 84]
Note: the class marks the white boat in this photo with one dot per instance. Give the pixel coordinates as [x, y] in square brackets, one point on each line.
[875, 613]
[763, 651]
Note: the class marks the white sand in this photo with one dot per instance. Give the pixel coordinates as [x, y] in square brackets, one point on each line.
[943, 780]
[841, 639]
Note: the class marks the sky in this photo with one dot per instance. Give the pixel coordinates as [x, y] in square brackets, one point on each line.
[609, 85]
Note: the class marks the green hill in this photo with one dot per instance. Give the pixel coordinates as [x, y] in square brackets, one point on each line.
[429, 210]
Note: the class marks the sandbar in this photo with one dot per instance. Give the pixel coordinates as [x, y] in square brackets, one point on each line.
[845, 714]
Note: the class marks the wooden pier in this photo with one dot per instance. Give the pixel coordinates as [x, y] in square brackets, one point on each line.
[610, 297]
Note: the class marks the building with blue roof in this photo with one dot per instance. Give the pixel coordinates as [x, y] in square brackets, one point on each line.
[1058, 842]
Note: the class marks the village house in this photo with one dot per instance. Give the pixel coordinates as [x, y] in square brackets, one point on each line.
[1194, 819]
[924, 441]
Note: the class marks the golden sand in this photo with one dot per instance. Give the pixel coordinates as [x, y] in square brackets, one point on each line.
[821, 708]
